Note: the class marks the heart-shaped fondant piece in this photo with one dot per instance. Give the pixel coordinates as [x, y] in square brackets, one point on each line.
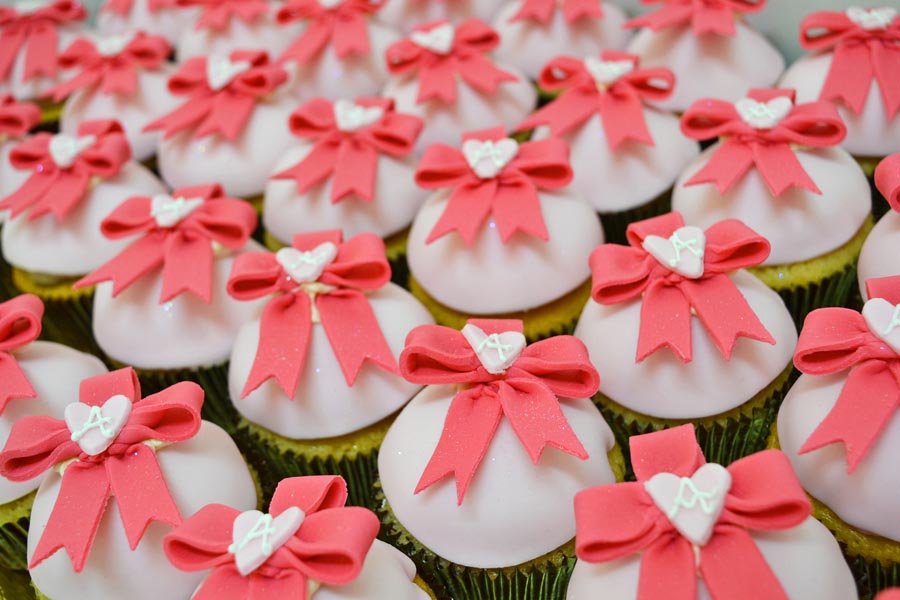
[111, 45]
[488, 158]
[606, 72]
[873, 18]
[169, 211]
[220, 71]
[95, 428]
[692, 504]
[681, 252]
[439, 40]
[883, 319]
[256, 536]
[307, 266]
[350, 116]
[497, 351]
[763, 115]
[64, 149]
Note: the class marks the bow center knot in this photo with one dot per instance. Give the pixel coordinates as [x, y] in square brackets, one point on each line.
[111, 45]
[438, 40]
[65, 149]
[873, 18]
[607, 72]
[496, 351]
[220, 71]
[306, 266]
[682, 252]
[95, 428]
[488, 158]
[763, 115]
[168, 211]
[256, 536]
[692, 504]
[883, 319]
[351, 117]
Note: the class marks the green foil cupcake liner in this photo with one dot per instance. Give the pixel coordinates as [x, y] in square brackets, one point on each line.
[14, 518]
[15, 585]
[615, 224]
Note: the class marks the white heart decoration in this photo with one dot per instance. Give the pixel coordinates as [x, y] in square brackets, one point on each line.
[883, 319]
[112, 45]
[350, 116]
[681, 252]
[220, 71]
[763, 115]
[307, 266]
[439, 40]
[95, 428]
[256, 536]
[488, 158]
[692, 504]
[873, 18]
[497, 351]
[168, 211]
[64, 149]
[606, 72]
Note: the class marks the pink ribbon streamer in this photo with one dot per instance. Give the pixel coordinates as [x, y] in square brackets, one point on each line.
[344, 26]
[704, 16]
[17, 118]
[20, 324]
[542, 11]
[36, 33]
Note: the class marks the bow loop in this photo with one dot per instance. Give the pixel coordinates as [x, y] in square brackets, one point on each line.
[333, 544]
[17, 118]
[311, 494]
[562, 364]
[756, 504]
[434, 354]
[360, 264]
[256, 275]
[20, 321]
[608, 526]
[835, 339]
[887, 180]
[706, 16]
[542, 11]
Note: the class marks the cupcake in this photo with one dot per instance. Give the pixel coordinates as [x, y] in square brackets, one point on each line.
[315, 378]
[501, 220]
[353, 171]
[168, 285]
[405, 15]
[50, 235]
[878, 254]
[155, 17]
[625, 155]
[725, 370]
[32, 33]
[16, 120]
[36, 378]
[855, 64]
[690, 529]
[224, 26]
[339, 53]
[777, 169]
[308, 545]
[532, 30]
[123, 75]
[231, 128]
[478, 471]
[119, 472]
[839, 427]
[443, 75]
[708, 46]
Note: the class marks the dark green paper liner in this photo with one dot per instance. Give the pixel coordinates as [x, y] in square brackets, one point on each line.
[15, 585]
[14, 518]
[615, 224]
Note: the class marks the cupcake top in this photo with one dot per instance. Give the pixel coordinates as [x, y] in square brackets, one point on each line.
[875, 259]
[686, 527]
[340, 24]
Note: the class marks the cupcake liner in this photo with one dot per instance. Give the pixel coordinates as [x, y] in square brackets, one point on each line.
[259, 234]
[827, 280]
[50, 113]
[424, 587]
[544, 578]
[724, 437]
[554, 318]
[14, 518]
[353, 456]
[15, 585]
[615, 224]
[68, 313]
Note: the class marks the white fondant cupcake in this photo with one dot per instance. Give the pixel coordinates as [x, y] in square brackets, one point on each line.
[16, 120]
[878, 257]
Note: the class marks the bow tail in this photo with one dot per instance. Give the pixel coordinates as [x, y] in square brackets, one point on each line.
[310, 43]
[76, 515]
[10, 42]
[314, 168]
[187, 267]
[120, 79]
[144, 255]
[438, 81]
[710, 18]
[354, 333]
[468, 430]
[15, 383]
[849, 77]
[725, 167]
[623, 119]
[666, 16]
[582, 9]
[865, 406]
[354, 171]
[185, 116]
[570, 110]
[85, 79]
[466, 210]
[228, 114]
[288, 585]
[781, 169]
[68, 188]
[284, 332]
[119, 7]
[536, 10]
[351, 36]
[40, 52]
[733, 567]
[480, 73]
[517, 207]
[668, 570]
[886, 65]
[665, 321]
[34, 188]
[536, 417]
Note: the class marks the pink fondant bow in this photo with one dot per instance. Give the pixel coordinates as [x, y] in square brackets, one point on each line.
[759, 132]
[348, 152]
[618, 100]
[20, 324]
[623, 273]
[510, 196]
[464, 58]
[887, 179]
[126, 468]
[320, 279]
[36, 31]
[617, 521]
[17, 118]
[224, 110]
[123, 7]
[112, 73]
[343, 25]
[861, 54]
[704, 16]
[542, 10]
[836, 339]
[178, 236]
[218, 14]
[525, 390]
[57, 187]
[330, 545]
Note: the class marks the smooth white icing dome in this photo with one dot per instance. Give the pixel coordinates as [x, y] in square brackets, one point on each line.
[203, 470]
[491, 277]
[711, 65]
[799, 224]
[878, 257]
[387, 573]
[262, 34]
[514, 511]
[323, 405]
[662, 386]
[407, 14]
